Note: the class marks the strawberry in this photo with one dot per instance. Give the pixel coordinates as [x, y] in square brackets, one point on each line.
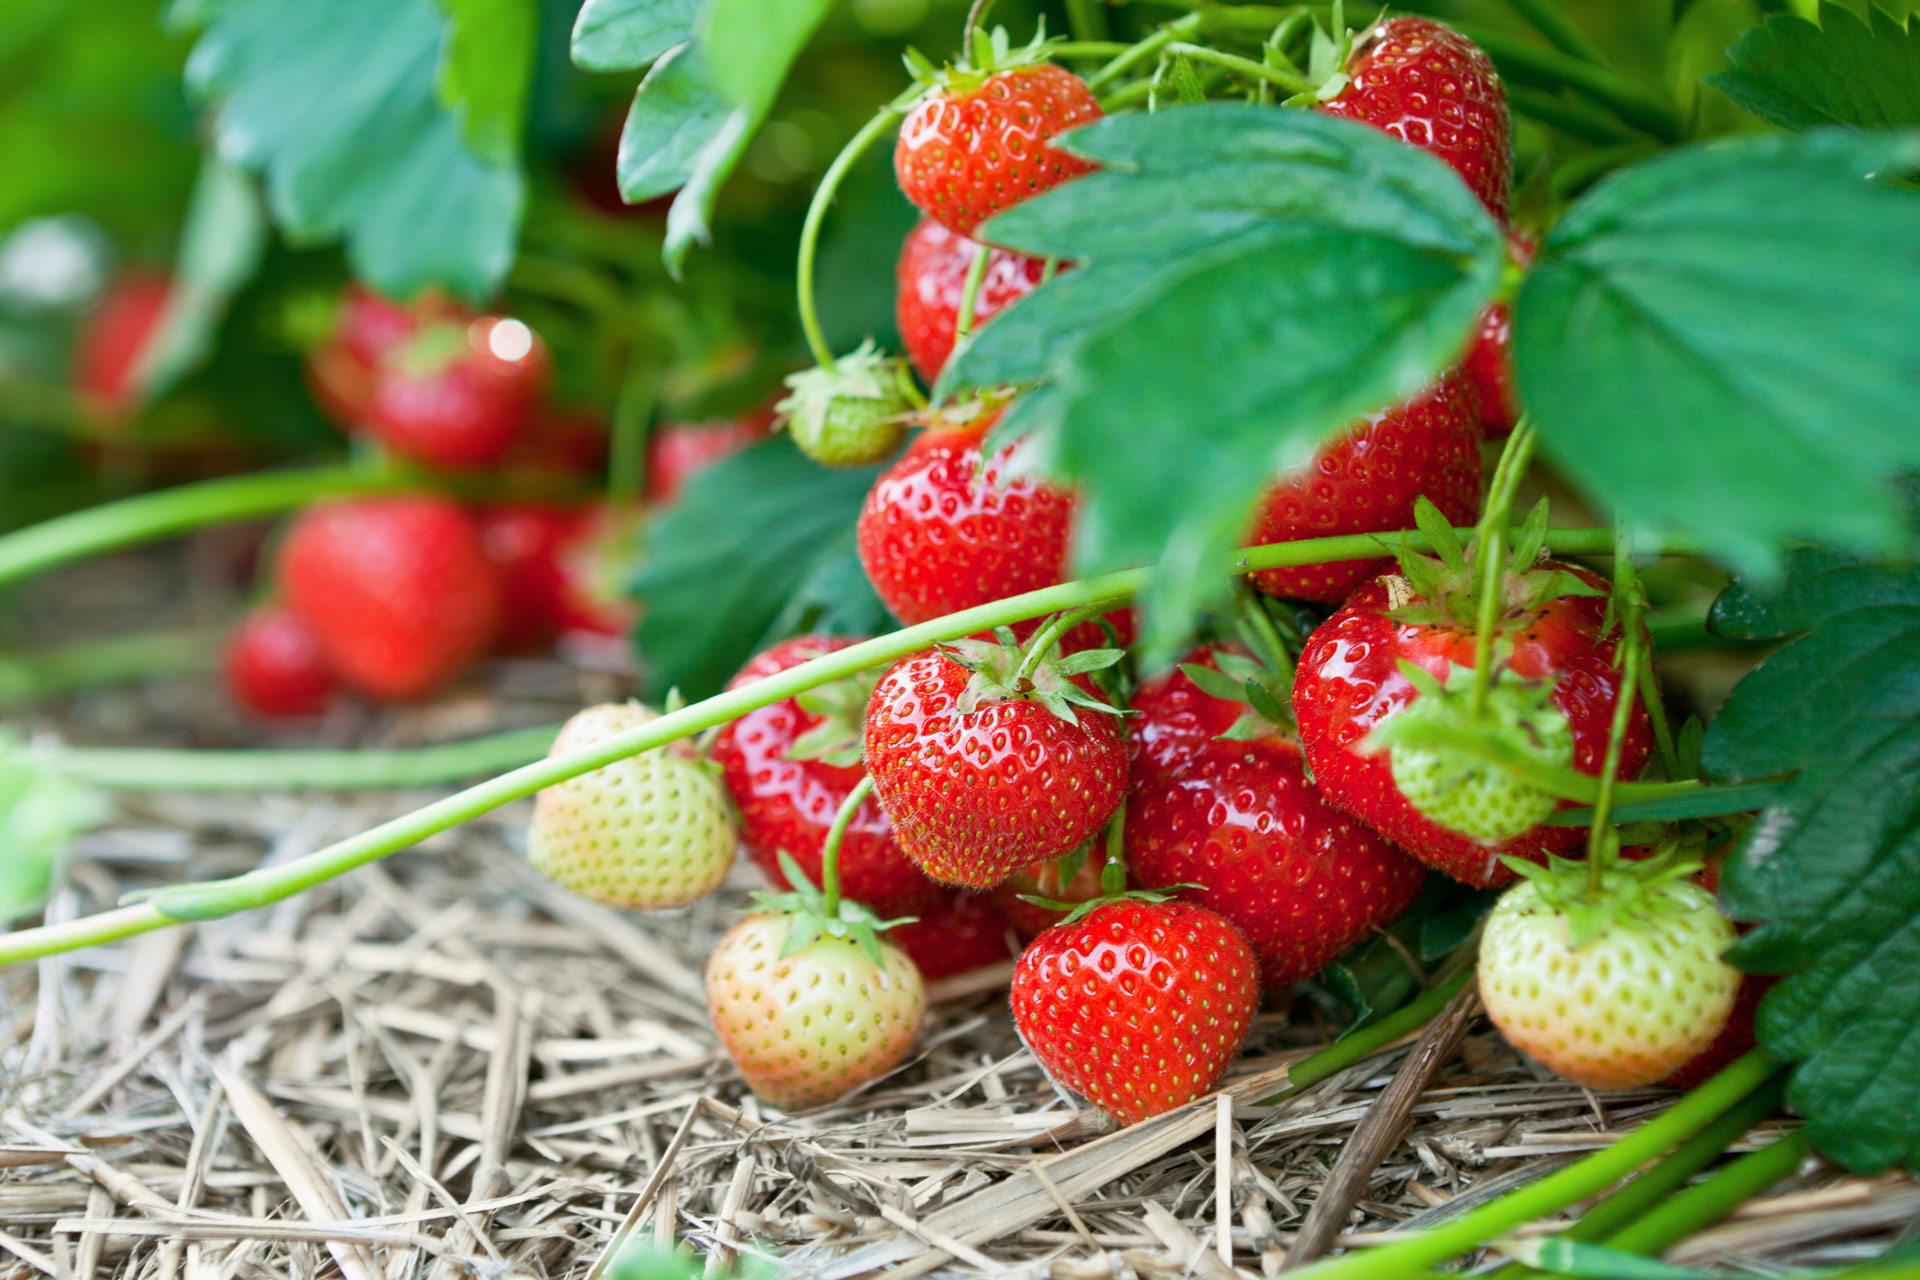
[113, 341]
[976, 143]
[960, 933]
[648, 831]
[398, 590]
[851, 412]
[808, 1015]
[1140, 1006]
[1735, 1039]
[1366, 481]
[1431, 87]
[458, 395]
[564, 443]
[366, 329]
[1489, 362]
[1555, 691]
[559, 569]
[1073, 878]
[1613, 988]
[594, 558]
[931, 282]
[1038, 776]
[791, 764]
[1240, 820]
[273, 666]
[679, 451]
[942, 531]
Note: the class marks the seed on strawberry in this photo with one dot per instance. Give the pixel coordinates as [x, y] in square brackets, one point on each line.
[1431, 87]
[1367, 480]
[649, 831]
[931, 283]
[985, 768]
[274, 667]
[1614, 989]
[977, 142]
[1140, 1007]
[807, 1025]
[398, 591]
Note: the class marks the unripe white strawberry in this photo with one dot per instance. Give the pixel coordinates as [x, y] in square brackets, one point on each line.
[1611, 991]
[807, 1027]
[651, 831]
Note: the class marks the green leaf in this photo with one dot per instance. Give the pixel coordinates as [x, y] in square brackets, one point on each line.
[757, 547]
[486, 68]
[1320, 267]
[1666, 342]
[220, 251]
[336, 106]
[675, 117]
[1847, 70]
[750, 45]
[1831, 870]
[625, 35]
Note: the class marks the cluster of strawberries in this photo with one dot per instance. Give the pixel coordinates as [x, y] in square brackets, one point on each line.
[395, 597]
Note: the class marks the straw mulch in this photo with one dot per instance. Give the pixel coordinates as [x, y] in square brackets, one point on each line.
[443, 1066]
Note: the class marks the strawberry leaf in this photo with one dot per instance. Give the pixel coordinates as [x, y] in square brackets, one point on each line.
[675, 117]
[1846, 70]
[1831, 870]
[1662, 343]
[625, 35]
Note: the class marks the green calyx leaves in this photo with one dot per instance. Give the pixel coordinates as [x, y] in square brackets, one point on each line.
[809, 920]
[839, 738]
[1003, 672]
[851, 412]
[1444, 589]
[1621, 893]
[1241, 679]
[988, 53]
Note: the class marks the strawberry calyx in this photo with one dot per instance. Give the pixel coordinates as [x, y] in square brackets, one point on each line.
[1596, 901]
[988, 54]
[864, 394]
[1330, 51]
[842, 707]
[1113, 884]
[1004, 672]
[430, 349]
[1445, 588]
[810, 917]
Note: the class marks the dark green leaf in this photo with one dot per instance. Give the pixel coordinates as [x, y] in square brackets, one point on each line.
[674, 119]
[625, 35]
[1847, 70]
[1252, 279]
[751, 44]
[486, 69]
[757, 547]
[383, 165]
[1666, 342]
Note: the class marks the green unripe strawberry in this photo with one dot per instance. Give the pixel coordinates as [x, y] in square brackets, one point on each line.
[1463, 792]
[851, 412]
[808, 1025]
[1612, 990]
[651, 831]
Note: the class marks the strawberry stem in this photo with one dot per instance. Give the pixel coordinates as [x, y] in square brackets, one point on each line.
[886, 118]
[976, 15]
[275, 884]
[30, 677]
[1273, 649]
[1490, 548]
[1626, 607]
[970, 294]
[830, 851]
[1698, 1206]
[1087, 19]
[1244, 67]
[1049, 635]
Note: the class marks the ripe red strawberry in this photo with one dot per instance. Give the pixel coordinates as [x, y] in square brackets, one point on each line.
[646, 832]
[1349, 684]
[1038, 775]
[1367, 480]
[931, 282]
[1073, 879]
[1428, 85]
[977, 143]
[458, 395]
[1140, 1007]
[679, 451]
[787, 799]
[398, 590]
[1240, 819]
[1614, 989]
[111, 343]
[366, 328]
[1489, 362]
[552, 576]
[960, 933]
[808, 1025]
[569, 444]
[273, 666]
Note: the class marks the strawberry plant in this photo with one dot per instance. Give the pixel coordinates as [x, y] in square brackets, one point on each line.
[1203, 498]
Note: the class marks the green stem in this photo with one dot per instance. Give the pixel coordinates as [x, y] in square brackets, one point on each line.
[1556, 1191]
[1657, 717]
[1561, 33]
[260, 888]
[1653, 1187]
[1568, 784]
[1272, 649]
[1049, 635]
[1698, 802]
[1700, 1206]
[1524, 61]
[632, 417]
[1087, 19]
[29, 677]
[1588, 123]
[970, 293]
[134, 769]
[1490, 546]
[850, 154]
[1145, 50]
[1369, 1039]
[190, 506]
[1597, 851]
[830, 851]
[1088, 48]
[1244, 66]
